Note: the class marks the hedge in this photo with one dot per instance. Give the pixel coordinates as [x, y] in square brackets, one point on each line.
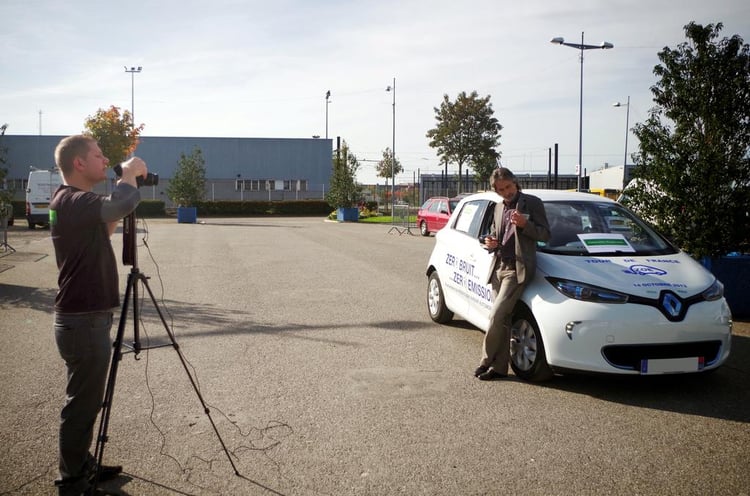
[156, 208]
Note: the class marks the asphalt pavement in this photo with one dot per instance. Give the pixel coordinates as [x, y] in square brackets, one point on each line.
[310, 344]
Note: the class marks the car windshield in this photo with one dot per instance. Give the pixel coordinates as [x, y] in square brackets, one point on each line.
[599, 228]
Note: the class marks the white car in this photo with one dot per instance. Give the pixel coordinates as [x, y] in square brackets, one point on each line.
[610, 295]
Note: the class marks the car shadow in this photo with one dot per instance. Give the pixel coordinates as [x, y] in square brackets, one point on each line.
[720, 394]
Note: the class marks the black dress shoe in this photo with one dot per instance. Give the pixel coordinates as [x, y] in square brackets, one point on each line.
[107, 472]
[72, 486]
[491, 375]
[480, 370]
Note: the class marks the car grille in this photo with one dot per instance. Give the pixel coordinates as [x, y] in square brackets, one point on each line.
[629, 356]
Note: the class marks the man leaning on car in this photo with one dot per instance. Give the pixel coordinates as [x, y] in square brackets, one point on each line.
[519, 222]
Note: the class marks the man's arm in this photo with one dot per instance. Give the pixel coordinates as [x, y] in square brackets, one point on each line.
[121, 202]
[125, 196]
[537, 227]
[112, 227]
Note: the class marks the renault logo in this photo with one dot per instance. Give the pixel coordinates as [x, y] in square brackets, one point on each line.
[671, 304]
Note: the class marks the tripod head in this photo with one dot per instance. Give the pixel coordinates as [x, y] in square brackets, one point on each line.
[129, 252]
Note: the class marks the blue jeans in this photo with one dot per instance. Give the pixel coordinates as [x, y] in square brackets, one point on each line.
[84, 342]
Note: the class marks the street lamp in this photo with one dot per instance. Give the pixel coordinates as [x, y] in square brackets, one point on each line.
[132, 72]
[627, 123]
[393, 152]
[328, 95]
[581, 46]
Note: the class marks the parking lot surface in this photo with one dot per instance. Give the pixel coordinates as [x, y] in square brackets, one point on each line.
[311, 345]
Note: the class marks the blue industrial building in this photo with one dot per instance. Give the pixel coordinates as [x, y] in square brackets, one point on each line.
[236, 168]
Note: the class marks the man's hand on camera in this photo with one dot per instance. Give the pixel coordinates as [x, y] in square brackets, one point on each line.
[132, 168]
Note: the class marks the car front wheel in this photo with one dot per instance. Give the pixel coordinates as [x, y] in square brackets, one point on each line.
[527, 358]
[436, 301]
[423, 228]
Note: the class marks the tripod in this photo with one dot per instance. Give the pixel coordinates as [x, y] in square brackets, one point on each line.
[129, 257]
[5, 212]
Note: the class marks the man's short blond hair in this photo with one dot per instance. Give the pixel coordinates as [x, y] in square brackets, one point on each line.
[69, 149]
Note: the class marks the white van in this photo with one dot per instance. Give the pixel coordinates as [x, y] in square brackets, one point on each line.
[42, 184]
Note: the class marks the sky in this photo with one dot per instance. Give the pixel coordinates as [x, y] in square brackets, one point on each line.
[245, 68]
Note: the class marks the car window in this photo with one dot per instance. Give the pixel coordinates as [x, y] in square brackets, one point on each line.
[591, 228]
[435, 206]
[471, 219]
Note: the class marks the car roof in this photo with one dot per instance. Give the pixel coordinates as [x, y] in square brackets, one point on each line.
[546, 195]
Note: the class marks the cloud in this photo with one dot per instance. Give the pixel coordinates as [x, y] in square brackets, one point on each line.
[239, 68]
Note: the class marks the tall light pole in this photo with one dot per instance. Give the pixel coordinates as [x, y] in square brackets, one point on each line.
[581, 46]
[392, 89]
[132, 71]
[627, 124]
[328, 95]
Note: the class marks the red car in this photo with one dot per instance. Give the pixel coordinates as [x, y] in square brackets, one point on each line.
[434, 214]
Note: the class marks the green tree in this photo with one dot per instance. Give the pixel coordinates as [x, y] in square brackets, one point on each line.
[694, 154]
[483, 167]
[115, 133]
[188, 185]
[386, 167]
[389, 167]
[344, 192]
[467, 133]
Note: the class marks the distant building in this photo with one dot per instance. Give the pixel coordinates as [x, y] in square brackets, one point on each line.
[236, 168]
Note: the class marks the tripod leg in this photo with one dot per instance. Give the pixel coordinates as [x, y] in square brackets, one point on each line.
[109, 392]
[206, 410]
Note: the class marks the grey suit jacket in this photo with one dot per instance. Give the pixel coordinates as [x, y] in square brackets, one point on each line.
[537, 229]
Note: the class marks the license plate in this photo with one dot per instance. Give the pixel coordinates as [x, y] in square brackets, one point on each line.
[671, 365]
[40, 205]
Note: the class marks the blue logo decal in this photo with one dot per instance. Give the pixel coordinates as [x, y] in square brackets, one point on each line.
[645, 270]
[671, 304]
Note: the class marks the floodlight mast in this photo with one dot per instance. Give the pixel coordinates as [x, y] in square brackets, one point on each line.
[604, 45]
[627, 125]
[132, 71]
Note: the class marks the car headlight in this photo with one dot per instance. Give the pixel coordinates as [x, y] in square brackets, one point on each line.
[587, 292]
[714, 292]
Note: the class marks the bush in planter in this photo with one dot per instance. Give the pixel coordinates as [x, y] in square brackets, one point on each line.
[344, 192]
[188, 185]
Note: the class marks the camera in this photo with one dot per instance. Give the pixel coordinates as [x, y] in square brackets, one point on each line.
[149, 180]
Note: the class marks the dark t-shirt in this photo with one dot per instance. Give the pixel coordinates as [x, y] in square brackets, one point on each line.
[88, 280]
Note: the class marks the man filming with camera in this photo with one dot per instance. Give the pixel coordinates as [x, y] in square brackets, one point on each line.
[81, 224]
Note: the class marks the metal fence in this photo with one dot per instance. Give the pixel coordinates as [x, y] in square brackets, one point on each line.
[401, 222]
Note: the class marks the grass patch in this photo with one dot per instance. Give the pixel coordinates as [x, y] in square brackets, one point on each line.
[386, 219]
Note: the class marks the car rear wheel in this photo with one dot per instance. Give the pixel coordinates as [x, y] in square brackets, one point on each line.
[436, 301]
[527, 357]
[423, 229]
